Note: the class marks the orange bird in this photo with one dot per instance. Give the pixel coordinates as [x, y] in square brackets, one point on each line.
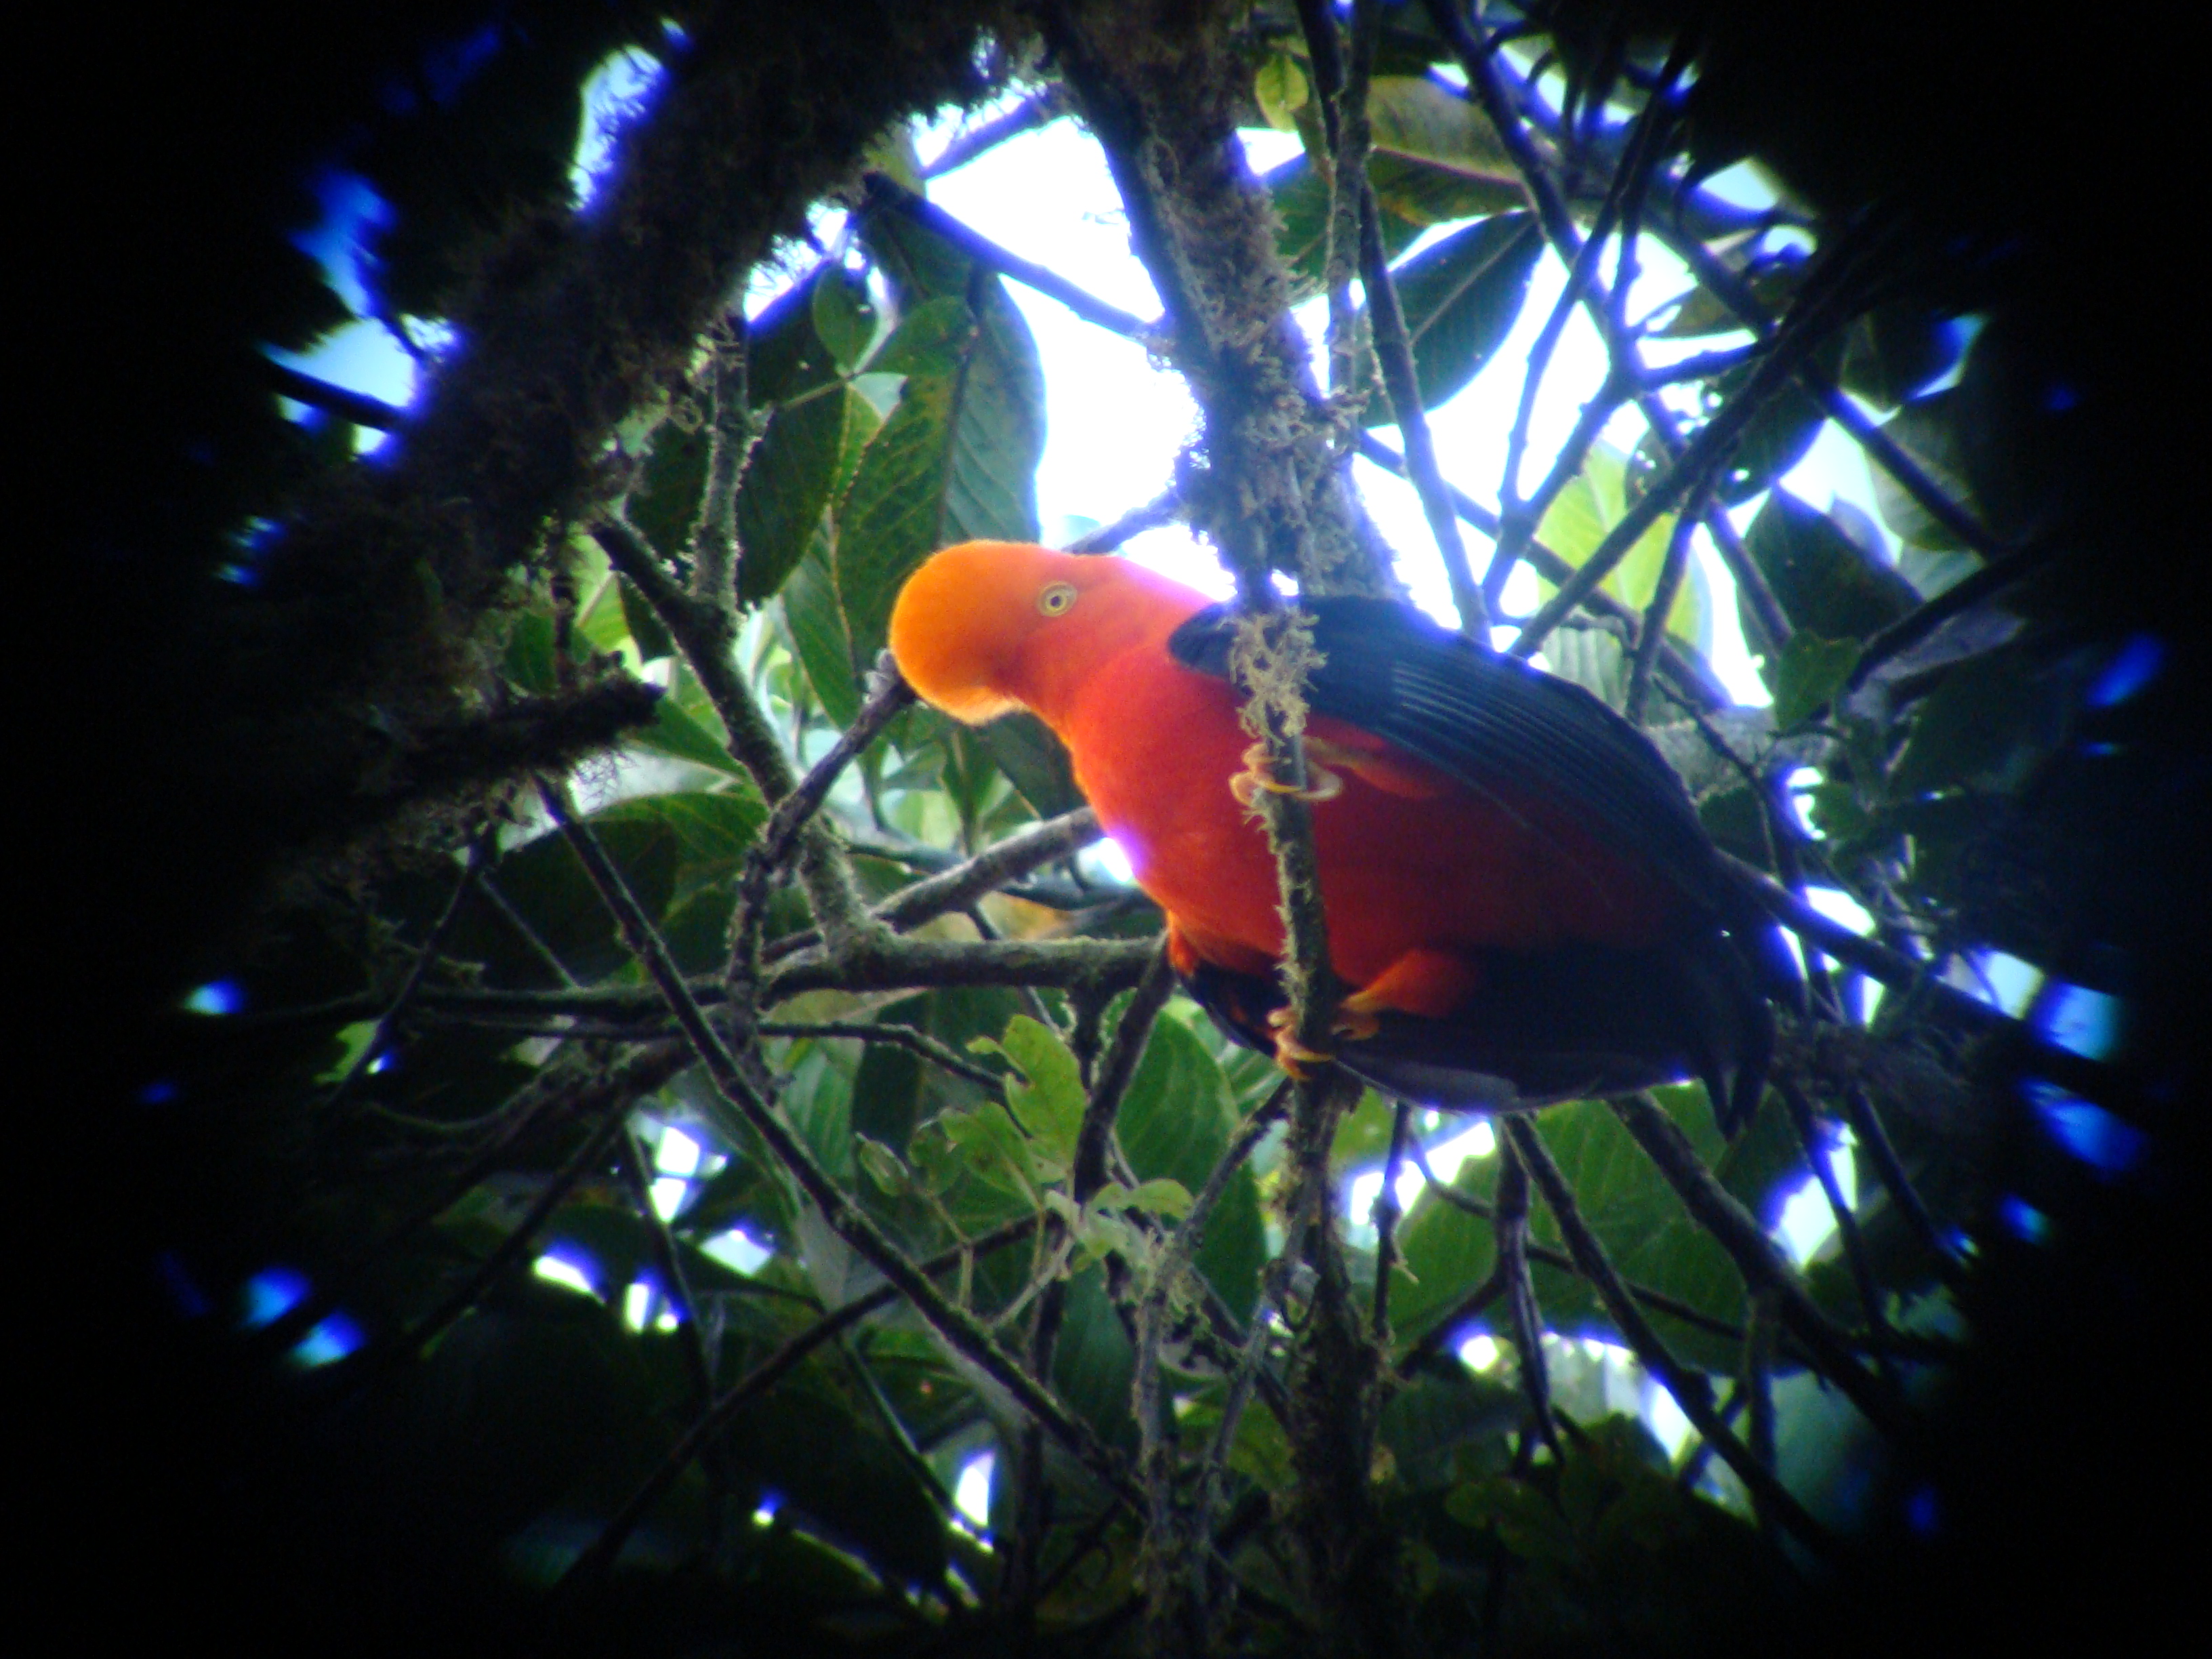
[1517, 888]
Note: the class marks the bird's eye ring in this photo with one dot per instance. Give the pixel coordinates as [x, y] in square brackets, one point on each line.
[1056, 599]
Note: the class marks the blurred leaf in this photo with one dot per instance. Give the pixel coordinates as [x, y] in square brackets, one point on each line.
[955, 460]
[1825, 581]
[1446, 1252]
[1092, 1364]
[1974, 728]
[1811, 671]
[1702, 312]
[787, 484]
[786, 358]
[835, 1469]
[1926, 431]
[664, 503]
[1431, 1417]
[1641, 1223]
[1302, 206]
[819, 636]
[647, 632]
[1049, 1098]
[1894, 350]
[1417, 193]
[1280, 88]
[1175, 1124]
[1524, 1519]
[1774, 440]
[548, 887]
[844, 317]
[1415, 119]
[1035, 762]
[1460, 298]
[529, 659]
[678, 735]
[1594, 499]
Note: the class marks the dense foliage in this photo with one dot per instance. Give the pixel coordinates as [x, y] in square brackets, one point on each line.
[633, 1151]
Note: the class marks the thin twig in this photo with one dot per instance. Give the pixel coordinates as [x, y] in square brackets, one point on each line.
[1039, 109]
[1385, 1215]
[886, 195]
[885, 1035]
[1653, 627]
[1162, 508]
[356, 406]
[1690, 1390]
[960, 1329]
[1925, 619]
[1868, 1129]
[1694, 681]
[1087, 1172]
[1847, 1224]
[433, 944]
[1525, 1318]
[602, 1550]
[1760, 1263]
[637, 1176]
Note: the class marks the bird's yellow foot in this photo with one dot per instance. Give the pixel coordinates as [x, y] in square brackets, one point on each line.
[1293, 1056]
[1321, 784]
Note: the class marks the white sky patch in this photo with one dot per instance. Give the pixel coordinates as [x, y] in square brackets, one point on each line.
[737, 1252]
[559, 1270]
[616, 91]
[971, 1494]
[1481, 1353]
[1806, 1221]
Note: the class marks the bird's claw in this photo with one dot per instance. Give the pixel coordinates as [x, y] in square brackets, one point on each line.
[1321, 784]
[1354, 1022]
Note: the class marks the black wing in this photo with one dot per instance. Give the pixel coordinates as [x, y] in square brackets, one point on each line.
[1494, 724]
[1561, 1024]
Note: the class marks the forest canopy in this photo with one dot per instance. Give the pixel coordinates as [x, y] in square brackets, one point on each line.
[642, 1135]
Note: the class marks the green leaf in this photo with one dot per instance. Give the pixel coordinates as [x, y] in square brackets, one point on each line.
[1926, 429]
[664, 503]
[1279, 88]
[548, 889]
[819, 637]
[1775, 438]
[1174, 1123]
[844, 317]
[1641, 1223]
[529, 659]
[1034, 760]
[1894, 350]
[1524, 1519]
[353, 1041]
[786, 358]
[1416, 120]
[929, 339]
[1595, 501]
[955, 460]
[1459, 298]
[1825, 581]
[1811, 671]
[712, 830]
[680, 736]
[1092, 1364]
[647, 631]
[1446, 1252]
[1978, 728]
[787, 484]
[1049, 1099]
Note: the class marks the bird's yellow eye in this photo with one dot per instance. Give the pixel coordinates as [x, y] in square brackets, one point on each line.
[1056, 599]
